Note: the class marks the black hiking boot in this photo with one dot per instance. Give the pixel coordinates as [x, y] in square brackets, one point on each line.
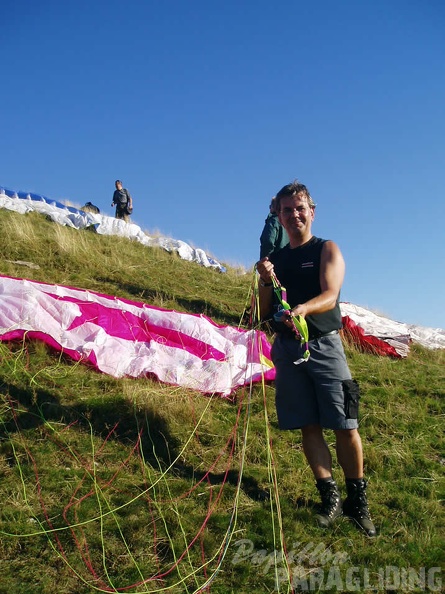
[355, 505]
[330, 508]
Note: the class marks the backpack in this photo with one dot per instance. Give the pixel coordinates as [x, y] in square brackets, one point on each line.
[127, 208]
[89, 207]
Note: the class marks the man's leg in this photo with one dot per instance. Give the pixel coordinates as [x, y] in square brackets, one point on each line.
[350, 458]
[350, 452]
[319, 457]
[316, 451]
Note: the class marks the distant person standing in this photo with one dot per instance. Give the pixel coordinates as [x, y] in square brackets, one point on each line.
[274, 236]
[123, 202]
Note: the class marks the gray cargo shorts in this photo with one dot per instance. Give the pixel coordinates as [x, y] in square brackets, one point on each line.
[319, 391]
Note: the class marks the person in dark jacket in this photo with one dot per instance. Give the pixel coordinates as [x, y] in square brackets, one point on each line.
[273, 236]
[123, 202]
[315, 393]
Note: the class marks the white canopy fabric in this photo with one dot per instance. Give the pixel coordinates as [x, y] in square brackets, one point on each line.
[387, 336]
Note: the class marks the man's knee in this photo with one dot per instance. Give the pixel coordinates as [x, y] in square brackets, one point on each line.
[348, 437]
[313, 429]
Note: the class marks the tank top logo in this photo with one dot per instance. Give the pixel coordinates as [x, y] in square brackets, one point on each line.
[307, 265]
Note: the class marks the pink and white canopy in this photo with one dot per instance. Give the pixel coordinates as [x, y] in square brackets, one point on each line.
[125, 338]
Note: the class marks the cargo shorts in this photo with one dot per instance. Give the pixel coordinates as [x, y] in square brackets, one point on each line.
[320, 391]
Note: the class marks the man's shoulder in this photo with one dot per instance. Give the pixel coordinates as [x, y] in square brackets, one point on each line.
[325, 243]
[317, 243]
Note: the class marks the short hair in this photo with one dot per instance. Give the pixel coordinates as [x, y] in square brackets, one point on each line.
[118, 181]
[291, 190]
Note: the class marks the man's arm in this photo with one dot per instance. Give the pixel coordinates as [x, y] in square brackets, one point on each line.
[332, 273]
[265, 287]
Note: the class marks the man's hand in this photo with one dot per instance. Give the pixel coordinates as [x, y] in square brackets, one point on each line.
[299, 310]
[265, 269]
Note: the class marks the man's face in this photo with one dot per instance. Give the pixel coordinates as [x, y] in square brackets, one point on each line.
[296, 215]
[118, 186]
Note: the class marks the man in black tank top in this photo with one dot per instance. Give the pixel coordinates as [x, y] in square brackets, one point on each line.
[318, 392]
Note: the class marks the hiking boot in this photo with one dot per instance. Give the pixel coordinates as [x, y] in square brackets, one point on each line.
[330, 508]
[355, 505]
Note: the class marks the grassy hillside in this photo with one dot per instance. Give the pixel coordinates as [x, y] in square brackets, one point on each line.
[136, 486]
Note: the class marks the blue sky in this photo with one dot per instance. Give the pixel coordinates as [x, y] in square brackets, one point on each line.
[205, 109]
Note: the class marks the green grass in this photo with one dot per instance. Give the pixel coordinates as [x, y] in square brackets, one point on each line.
[132, 485]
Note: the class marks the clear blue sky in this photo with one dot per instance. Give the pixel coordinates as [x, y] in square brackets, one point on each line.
[205, 109]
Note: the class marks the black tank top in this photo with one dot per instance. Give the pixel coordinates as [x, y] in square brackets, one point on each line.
[298, 270]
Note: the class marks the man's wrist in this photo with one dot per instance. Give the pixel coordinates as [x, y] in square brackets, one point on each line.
[264, 283]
